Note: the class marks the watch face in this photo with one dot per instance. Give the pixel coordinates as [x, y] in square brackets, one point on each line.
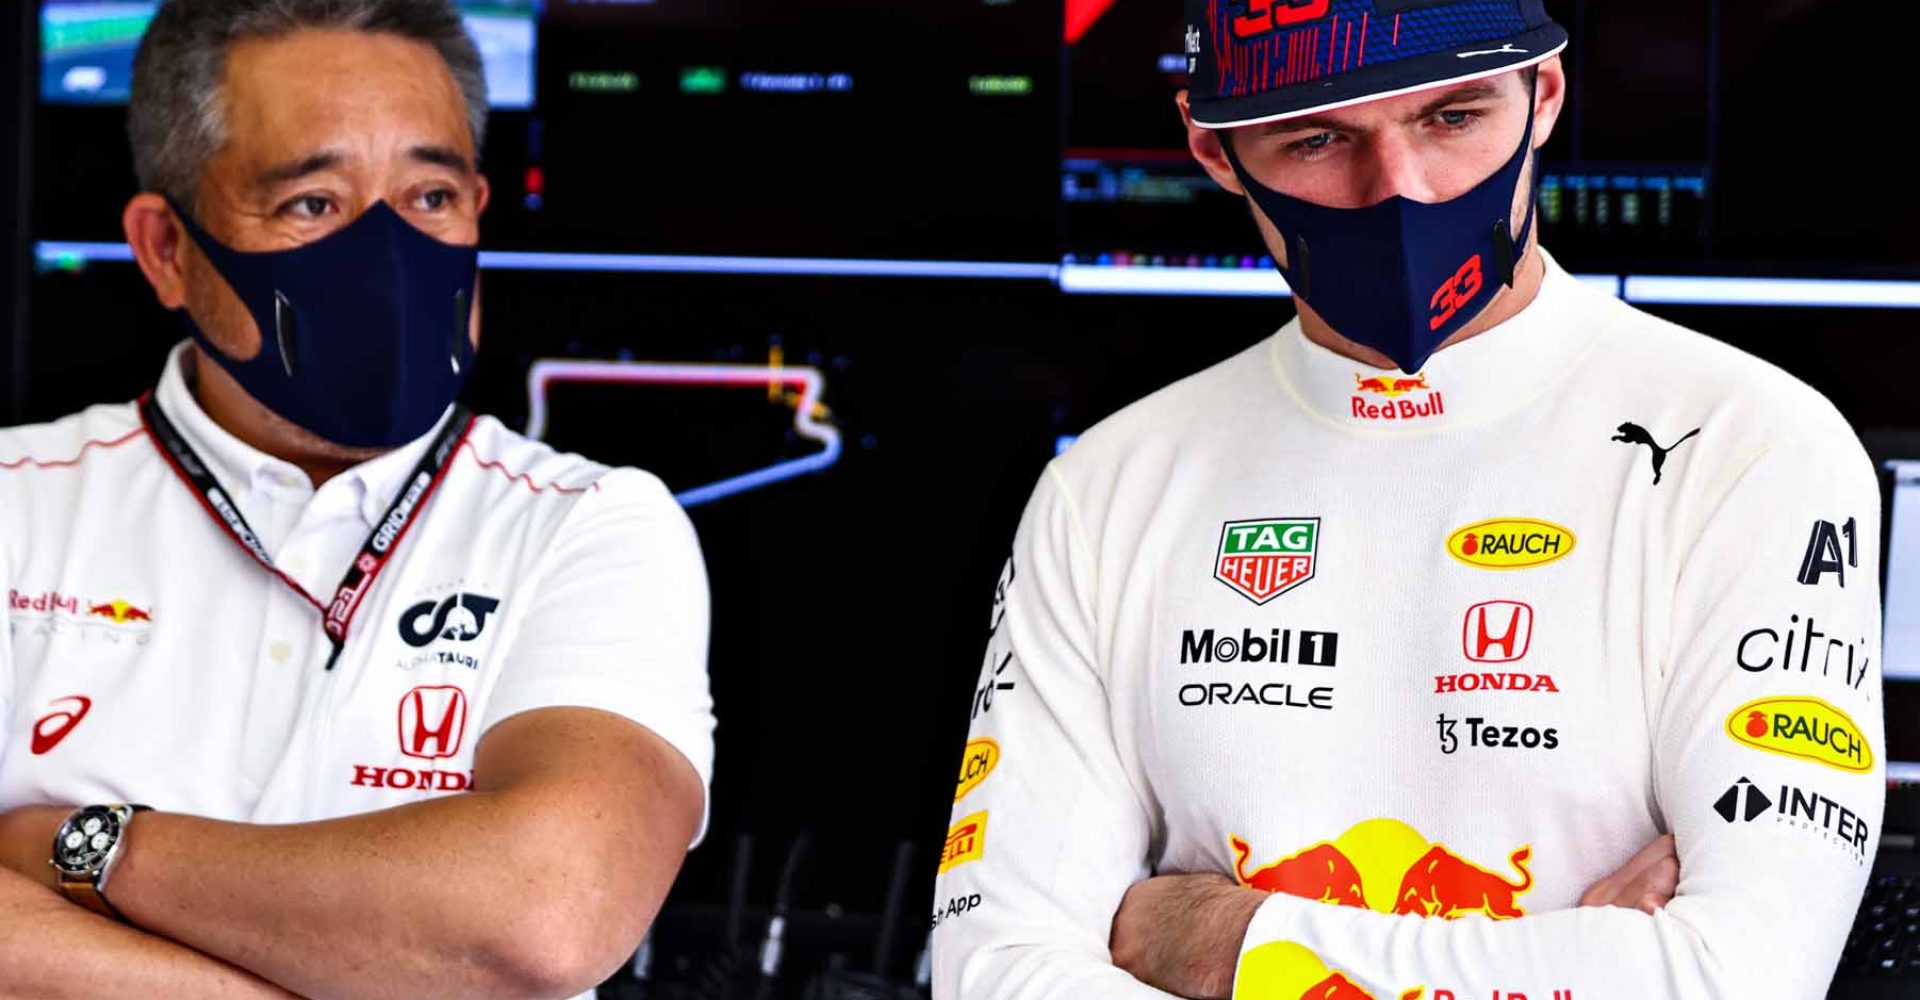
[83, 842]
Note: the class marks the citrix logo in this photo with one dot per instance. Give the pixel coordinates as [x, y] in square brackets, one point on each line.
[460, 617]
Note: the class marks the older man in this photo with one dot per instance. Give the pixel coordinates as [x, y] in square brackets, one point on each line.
[419, 707]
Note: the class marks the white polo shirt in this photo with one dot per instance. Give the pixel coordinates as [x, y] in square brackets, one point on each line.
[145, 656]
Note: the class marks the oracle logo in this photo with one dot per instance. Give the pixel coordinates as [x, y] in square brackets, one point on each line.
[433, 721]
[51, 728]
[1497, 631]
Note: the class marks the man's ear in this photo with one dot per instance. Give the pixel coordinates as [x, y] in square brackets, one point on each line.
[1204, 144]
[1549, 97]
[157, 239]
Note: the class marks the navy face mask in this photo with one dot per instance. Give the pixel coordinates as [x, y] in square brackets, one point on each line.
[363, 334]
[1400, 276]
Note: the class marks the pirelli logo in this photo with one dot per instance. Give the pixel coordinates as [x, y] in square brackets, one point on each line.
[966, 841]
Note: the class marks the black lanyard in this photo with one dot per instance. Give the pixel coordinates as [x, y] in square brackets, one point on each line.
[337, 616]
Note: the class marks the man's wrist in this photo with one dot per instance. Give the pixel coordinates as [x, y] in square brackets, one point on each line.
[26, 842]
[88, 843]
[1235, 913]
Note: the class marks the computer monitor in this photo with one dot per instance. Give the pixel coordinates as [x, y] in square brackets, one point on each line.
[1900, 631]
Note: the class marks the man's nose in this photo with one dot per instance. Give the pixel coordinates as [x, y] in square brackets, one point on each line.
[1392, 165]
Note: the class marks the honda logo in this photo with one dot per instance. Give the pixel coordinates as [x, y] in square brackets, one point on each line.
[1497, 631]
[433, 721]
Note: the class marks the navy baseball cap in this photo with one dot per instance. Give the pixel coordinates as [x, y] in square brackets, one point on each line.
[1253, 61]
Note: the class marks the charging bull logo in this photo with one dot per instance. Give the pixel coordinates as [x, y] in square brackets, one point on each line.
[119, 612]
[1387, 866]
[1390, 385]
[1284, 970]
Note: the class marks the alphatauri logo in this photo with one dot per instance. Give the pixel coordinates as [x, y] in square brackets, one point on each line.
[460, 618]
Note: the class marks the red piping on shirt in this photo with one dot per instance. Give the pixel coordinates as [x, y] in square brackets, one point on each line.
[75, 460]
[484, 463]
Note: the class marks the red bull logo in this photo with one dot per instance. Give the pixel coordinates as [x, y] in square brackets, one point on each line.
[119, 612]
[1284, 970]
[1389, 867]
[1320, 873]
[1391, 385]
[1394, 408]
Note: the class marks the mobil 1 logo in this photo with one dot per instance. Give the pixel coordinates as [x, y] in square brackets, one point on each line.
[1274, 645]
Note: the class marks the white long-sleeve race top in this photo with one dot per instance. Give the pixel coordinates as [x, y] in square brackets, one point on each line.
[1426, 657]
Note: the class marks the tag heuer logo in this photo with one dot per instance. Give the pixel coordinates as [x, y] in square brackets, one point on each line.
[1264, 559]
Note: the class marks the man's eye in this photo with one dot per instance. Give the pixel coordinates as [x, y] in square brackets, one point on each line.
[1459, 119]
[436, 199]
[1312, 147]
[308, 206]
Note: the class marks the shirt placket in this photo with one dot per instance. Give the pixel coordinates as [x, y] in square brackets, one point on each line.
[288, 632]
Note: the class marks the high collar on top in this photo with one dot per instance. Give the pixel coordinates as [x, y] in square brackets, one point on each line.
[1479, 379]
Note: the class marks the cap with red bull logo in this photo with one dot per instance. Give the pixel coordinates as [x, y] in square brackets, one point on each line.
[1251, 61]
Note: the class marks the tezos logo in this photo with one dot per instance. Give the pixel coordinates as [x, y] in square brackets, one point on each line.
[1481, 734]
[1263, 559]
[461, 618]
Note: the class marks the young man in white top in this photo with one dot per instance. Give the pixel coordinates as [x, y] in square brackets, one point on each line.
[1475, 635]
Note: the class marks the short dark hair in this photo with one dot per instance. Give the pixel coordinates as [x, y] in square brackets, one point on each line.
[176, 120]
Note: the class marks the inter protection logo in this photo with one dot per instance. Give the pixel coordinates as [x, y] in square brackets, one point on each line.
[1263, 559]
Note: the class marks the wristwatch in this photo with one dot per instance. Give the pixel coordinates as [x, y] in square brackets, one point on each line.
[85, 850]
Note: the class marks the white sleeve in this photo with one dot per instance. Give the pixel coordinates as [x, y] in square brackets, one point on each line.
[619, 621]
[1776, 825]
[6, 657]
[1048, 828]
